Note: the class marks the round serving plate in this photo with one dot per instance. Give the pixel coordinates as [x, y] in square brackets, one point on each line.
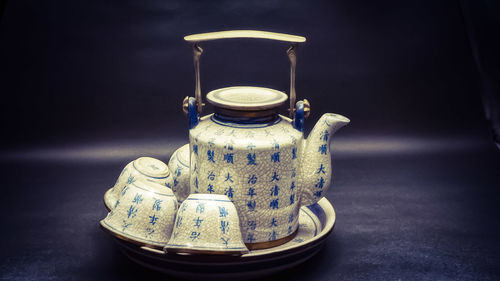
[316, 222]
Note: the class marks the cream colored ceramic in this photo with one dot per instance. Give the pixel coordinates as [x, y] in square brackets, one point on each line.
[207, 223]
[143, 168]
[179, 169]
[144, 213]
[256, 157]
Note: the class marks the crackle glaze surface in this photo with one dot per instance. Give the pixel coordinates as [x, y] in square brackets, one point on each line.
[144, 212]
[179, 167]
[143, 168]
[256, 167]
[207, 223]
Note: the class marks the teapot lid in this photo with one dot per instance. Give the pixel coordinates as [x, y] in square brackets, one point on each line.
[246, 98]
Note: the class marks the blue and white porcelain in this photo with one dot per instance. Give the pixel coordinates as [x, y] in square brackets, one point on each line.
[258, 158]
[144, 213]
[267, 168]
[207, 224]
[143, 168]
[179, 167]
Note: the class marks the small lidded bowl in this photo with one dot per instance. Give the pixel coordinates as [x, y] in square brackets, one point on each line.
[143, 168]
[179, 167]
[144, 214]
[207, 224]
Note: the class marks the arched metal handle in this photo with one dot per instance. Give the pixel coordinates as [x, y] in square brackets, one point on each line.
[291, 52]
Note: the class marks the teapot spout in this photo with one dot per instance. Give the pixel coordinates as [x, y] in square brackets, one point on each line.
[316, 168]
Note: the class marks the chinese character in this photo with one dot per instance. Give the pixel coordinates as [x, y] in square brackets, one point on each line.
[130, 179]
[321, 170]
[251, 159]
[252, 179]
[251, 205]
[156, 204]
[210, 154]
[149, 231]
[194, 235]
[252, 225]
[153, 220]
[124, 190]
[229, 146]
[222, 212]
[292, 199]
[211, 176]
[132, 211]
[228, 157]
[197, 222]
[179, 222]
[250, 238]
[272, 235]
[200, 208]
[289, 229]
[229, 192]
[274, 222]
[251, 192]
[224, 226]
[176, 182]
[225, 241]
[137, 199]
[196, 182]
[228, 178]
[275, 157]
[276, 145]
[195, 149]
[275, 177]
[292, 186]
[293, 173]
[210, 188]
[125, 225]
[324, 136]
[322, 149]
[275, 190]
[274, 204]
[320, 183]
[290, 218]
[117, 203]
[294, 153]
[318, 193]
[178, 170]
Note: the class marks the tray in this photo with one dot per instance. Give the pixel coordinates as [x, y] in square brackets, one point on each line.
[316, 222]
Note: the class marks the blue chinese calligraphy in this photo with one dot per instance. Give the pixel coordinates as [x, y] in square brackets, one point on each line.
[275, 157]
[228, 157]
[274, 204]
[222, 212]
[157, 204]
[137, 199]
[153, 218]
[210, 154]
[251, 159]
[224, 226]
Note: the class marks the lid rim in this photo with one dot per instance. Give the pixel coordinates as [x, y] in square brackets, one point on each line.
[273, 98]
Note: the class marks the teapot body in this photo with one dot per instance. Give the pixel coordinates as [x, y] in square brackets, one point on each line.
[256, 166]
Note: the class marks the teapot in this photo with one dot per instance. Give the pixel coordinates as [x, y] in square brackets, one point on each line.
[257, 157]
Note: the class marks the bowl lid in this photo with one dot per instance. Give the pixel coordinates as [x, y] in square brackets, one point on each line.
[246, 98]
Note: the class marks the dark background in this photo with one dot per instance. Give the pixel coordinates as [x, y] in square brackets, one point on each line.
[88, 86]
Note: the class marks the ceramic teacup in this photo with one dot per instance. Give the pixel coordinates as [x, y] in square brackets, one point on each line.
[179, 168]
[144, 214]
[207, 224]
[143, 168]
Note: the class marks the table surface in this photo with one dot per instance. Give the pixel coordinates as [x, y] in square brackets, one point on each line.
[408, 208]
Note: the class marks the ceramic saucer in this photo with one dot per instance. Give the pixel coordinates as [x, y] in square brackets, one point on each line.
[316, 222]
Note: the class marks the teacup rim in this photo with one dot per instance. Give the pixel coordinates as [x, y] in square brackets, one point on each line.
[209, 197]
